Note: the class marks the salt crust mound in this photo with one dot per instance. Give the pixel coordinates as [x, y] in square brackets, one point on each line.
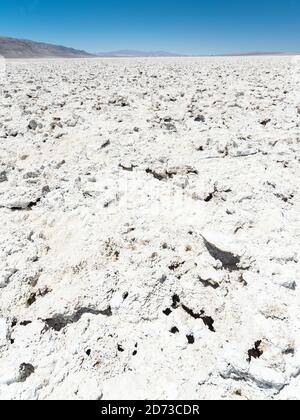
[150, 229]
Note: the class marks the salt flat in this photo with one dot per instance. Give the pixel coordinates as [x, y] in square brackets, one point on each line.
[150, 226]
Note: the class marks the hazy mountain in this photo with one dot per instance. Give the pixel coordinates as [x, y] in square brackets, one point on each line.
[133, 53]
[21, 48]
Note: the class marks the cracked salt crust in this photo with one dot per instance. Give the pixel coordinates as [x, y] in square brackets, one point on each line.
[150, 229]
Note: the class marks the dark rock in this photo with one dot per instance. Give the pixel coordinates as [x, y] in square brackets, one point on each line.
[3, 177]
[32, 125]
[25, 371]
[200, 118]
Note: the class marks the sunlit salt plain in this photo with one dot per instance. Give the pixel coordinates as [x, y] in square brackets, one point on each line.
[150, 228]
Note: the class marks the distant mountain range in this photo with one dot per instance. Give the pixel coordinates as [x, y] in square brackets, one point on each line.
[22, 48]
[133, 53]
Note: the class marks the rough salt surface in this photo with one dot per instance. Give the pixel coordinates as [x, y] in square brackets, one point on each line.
[149, 236]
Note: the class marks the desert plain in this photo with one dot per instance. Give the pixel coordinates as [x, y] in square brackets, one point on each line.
[150, 228]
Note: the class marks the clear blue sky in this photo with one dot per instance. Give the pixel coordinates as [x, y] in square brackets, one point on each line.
[186, 26]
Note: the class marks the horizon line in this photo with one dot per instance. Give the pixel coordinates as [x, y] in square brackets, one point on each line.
[158, 51]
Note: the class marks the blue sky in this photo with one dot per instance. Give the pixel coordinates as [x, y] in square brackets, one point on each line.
[186, 26]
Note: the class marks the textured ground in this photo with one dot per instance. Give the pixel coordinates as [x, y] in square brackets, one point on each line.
[150, 226]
